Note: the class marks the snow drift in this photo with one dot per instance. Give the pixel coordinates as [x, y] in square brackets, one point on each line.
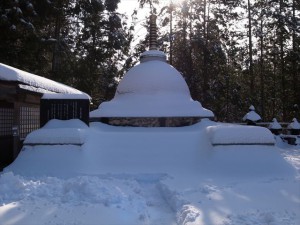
[149, 176]
[109, 149]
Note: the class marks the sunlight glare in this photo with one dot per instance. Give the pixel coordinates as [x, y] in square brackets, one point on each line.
[174, 1]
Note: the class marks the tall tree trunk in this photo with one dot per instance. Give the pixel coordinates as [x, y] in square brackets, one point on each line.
[171, 33]
[296, 94]
[274, 89]
[251, 75]
[262, 78]
[55, 55]
[282, 66]
[56, 60]
[190, 51]
[205, 53]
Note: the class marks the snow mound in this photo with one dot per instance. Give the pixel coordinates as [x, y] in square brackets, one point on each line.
[249, 161]
[73, 190]
[109, 149]
[152, 77]
[294, 125]
[225, 134]
[275, 125]
[152, 88]
[252, 116]
[58, 132]
[138, 175]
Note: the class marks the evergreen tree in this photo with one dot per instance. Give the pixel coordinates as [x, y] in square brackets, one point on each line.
[18, 33]
[77, 42]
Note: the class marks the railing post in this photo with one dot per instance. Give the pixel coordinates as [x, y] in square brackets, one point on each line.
[16, 141]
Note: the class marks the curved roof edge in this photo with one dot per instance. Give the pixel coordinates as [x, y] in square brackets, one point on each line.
[151, 109]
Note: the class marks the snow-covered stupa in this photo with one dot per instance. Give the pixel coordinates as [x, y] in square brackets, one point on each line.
[152, 94]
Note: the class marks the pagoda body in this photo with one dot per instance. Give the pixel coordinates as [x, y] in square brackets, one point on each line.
[152, 94]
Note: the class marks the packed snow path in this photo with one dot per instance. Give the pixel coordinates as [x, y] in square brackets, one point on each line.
[151, 176]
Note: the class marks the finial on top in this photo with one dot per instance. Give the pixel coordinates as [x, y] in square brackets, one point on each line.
[153, 33]
[153, 53]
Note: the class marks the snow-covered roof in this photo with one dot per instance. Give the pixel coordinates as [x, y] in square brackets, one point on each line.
[64, 96]
[275, 124]
[252, 108]
[153, 88]
[294, 124]
[252, 116]
[33, 82]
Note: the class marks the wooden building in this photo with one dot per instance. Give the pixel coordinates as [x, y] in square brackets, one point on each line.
[20, 94]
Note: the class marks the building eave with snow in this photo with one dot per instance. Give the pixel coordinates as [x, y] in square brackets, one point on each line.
[20, 95]
[25, 81]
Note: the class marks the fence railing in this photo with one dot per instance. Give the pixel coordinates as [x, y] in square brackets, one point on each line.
[284, 125]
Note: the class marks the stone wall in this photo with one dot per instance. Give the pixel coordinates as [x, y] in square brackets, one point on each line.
[151, 121]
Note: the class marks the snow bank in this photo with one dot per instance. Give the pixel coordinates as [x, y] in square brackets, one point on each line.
[275, 125]
[59, 132]
[76, 190]
[249, 161]
[244, 151]
[226, 134]
[294, 125]
[252, 116]
[136, 175]
[78, 200]
[184, 150]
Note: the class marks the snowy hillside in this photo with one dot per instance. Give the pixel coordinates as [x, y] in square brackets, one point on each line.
[127, 175]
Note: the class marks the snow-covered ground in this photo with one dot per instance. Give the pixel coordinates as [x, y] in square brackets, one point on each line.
[127, 175]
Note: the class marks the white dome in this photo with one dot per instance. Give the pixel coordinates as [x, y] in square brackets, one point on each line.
[152, 89]
[152, 77]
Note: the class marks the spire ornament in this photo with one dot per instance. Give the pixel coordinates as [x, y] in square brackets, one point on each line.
[153, 33]
[153, 53]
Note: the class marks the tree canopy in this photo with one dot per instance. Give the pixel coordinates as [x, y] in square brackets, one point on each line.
[236, 53]
[232, 54]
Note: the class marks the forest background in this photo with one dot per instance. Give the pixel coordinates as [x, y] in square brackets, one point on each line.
[232, 53]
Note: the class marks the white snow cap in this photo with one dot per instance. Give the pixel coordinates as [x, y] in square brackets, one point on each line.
[153, 88]
[58, 132]
[252, 115]
[294, 124]
[275, 124]
[252, 108]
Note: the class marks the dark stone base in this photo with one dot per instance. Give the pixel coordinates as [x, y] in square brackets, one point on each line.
[151, 121]
[294, 131]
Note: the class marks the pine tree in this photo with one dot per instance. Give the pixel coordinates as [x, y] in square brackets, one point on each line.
[18, 34]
